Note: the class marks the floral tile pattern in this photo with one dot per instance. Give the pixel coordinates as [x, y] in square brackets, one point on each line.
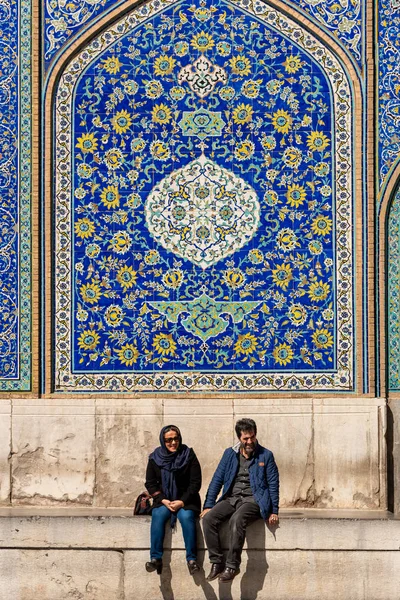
[204, 238]
[344, 19]
[394, 295]
[388, 86]
[15, 21]
[63, 19]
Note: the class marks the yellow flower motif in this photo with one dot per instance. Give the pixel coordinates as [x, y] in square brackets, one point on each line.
[88, 339]
[164, 65]
[296, 194]
[251, 88]
[87, 142]
[173, 278]
[282, 276]
[120, 242]
[90, 292]
[133, 200]
[240, 65]
[121, 121]
[246, 344]
[202, 41]
[161, 114]
[283, 354]
[292, 157]
[84, 228]
[128, 354]
[114, 158]
[154, 89]
[164, 344]
[255, 256]
[286, 239]
[112, 65]
[113, 315]
[243, 113]
[110, 196]
[282, 121]
[152, 257]
[318, 291]
[234, 278]
[127, 277]
[244, 150]
[317, 141]
[160, 150]
[297, 314]
[138, 144]
[322, 338]
[321, 225]
[292, 64]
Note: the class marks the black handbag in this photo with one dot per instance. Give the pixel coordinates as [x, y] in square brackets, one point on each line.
[143, 505]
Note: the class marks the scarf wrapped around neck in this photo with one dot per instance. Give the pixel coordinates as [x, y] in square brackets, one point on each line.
[169, 463]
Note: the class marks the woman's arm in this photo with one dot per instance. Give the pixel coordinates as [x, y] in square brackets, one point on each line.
[194, 483]
[153, 483]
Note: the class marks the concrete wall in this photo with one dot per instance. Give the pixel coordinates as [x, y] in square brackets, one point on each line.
[330, 452]
[102, 558]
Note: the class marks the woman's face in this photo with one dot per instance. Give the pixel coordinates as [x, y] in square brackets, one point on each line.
[171, 439]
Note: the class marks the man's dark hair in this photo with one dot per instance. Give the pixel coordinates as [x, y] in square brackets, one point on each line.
[245, 425]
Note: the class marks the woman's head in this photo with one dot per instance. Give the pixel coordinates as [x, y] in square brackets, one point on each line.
[170, 438]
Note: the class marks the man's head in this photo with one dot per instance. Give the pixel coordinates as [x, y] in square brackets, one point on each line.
[246, 430]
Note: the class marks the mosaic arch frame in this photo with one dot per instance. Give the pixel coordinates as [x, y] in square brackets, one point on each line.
[388, 300]
[344, 380]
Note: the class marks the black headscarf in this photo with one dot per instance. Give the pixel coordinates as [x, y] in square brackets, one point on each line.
[170, 463]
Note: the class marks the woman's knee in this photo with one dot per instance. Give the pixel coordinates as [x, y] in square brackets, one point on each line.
[160, 514]
[186, 517]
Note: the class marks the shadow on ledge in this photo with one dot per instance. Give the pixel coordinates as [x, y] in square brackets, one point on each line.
[251, 577]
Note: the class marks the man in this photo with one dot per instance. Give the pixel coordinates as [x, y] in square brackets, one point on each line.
[250, 480]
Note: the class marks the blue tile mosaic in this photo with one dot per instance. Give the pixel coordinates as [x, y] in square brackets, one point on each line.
[15, 117]
[63, 21]
[388, 46]
[394, 295]
[204, 238]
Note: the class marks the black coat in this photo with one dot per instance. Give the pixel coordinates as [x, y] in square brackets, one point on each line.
[188, 482]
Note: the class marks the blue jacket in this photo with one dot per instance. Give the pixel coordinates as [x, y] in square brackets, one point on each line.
[264, 479]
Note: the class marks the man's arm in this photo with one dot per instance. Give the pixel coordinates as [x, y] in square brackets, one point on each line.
[216, 482]
[273, 483]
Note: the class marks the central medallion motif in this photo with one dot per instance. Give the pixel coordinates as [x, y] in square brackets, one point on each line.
[202, 76]
[202, 212]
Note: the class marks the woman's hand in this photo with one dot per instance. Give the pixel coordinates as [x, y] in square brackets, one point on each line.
[167, 503]
[176, 505]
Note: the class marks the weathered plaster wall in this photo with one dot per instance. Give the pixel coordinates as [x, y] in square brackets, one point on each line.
[94, 452]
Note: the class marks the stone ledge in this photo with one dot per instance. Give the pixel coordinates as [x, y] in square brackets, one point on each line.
[113, 529]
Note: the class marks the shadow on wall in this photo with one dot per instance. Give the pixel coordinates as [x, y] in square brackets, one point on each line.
[252, 576]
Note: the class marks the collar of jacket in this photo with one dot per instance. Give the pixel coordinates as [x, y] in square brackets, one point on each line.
[236, 448]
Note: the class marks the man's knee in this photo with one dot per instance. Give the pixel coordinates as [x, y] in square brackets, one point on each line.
[237, 521]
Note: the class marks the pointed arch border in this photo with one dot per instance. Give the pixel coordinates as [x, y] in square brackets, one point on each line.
[392, 188]
[115, 18]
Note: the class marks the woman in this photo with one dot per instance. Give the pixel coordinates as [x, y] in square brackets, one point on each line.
[173, 478]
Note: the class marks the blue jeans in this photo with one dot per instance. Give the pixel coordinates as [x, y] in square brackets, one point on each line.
[187, 519]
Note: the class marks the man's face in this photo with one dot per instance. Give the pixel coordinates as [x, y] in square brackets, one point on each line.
[248, 440]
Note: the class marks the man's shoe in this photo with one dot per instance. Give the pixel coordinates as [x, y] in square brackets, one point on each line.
[155, 564]
[193, 567]
[216, 569]
[228, 575]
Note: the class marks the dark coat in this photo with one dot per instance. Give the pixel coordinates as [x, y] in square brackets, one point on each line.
[264, 479]
[188, 482]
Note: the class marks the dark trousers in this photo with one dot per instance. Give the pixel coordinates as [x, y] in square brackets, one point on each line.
[239, 517]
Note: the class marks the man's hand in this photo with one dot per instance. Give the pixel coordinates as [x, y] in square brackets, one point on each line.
[273, 519]
[175, 505]
[204, 512]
